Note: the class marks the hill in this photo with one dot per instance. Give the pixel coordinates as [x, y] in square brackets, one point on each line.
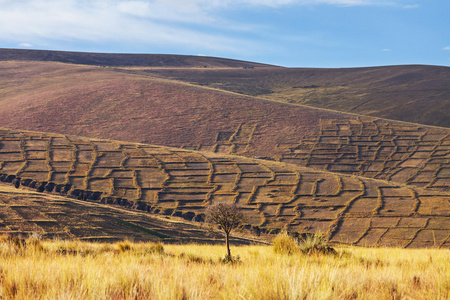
[115, 60]
[26, 212]
[363, 180]
[411, 93]
[181, 183]
[113, 104]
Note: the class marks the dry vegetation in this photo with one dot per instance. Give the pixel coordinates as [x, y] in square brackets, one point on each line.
[112, 103]
[415, 93]
[182, 183]
[25, 212]
[86, 205]
[77, 270]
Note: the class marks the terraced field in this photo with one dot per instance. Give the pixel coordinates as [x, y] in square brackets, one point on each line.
[375, 148]
[25, 212]
[378, 149]
[273, 195]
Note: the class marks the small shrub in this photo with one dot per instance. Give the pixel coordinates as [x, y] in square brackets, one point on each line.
[13, 244]
[285, 244]
[124, 246]
[228, 259]
[316, 244]
[157, 248]
[33, 242]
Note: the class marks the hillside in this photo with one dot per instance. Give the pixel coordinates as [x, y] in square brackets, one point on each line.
[115, 60]
[26, 212]
[364, 180]
[110, 104]
[181, 183]
[412, 93]
[107, 103]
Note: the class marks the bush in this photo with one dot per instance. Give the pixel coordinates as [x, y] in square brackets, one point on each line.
[285, 244]
[157, 248]
[316, 244]
[312, 244]
[124, 246]
[15, 243]
[228, 259]
[34, 242]
[18, 244]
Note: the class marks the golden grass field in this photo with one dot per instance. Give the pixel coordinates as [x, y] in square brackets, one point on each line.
[79, 270]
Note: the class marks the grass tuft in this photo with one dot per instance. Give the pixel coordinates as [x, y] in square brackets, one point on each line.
[230, 259]
[124, 246]
[283, 243]
[157, 248]
[316, 244]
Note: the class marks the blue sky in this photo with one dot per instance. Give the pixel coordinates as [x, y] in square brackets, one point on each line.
[292, 33]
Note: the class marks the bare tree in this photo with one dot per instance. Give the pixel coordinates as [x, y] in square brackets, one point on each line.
[227, 216]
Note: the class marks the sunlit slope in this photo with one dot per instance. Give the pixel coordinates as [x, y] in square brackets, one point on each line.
[25, 212]
[274, 196]
[375, 148]
[412, 93]
[108, 103]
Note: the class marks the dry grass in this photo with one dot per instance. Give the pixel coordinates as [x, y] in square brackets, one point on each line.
[103, 271]
[181, 183]
[381, 91]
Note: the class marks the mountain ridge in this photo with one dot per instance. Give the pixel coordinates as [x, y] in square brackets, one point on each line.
[124, 59]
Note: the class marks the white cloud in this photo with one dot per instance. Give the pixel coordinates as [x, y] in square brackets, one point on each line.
[106, 21]
[25, 45]
[447, 48]
[145, 22]
[386, 50]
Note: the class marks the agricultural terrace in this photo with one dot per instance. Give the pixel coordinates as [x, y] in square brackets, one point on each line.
[273, 196]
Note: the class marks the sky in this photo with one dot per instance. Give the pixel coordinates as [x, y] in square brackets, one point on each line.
[290, 33]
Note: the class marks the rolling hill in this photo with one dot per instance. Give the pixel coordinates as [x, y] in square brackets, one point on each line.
[411, 93]
[110, 104]
[242, 135]
[182, 183]
[124, 60]
[26, 212]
